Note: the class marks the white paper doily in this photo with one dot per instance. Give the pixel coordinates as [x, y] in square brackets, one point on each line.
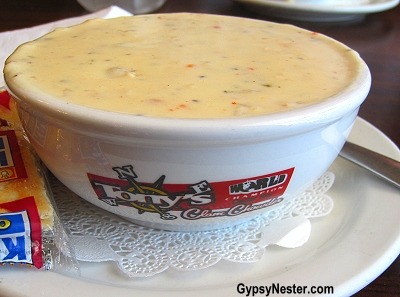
[139, 251]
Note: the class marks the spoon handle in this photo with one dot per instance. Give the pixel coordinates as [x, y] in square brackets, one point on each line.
[384, 167]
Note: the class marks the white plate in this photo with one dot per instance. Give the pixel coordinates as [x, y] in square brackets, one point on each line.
[319, 13]
[347, 249]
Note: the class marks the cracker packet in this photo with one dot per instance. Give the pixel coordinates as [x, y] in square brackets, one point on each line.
[31, 232]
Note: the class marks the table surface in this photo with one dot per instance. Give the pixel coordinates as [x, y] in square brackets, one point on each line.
[376, 38]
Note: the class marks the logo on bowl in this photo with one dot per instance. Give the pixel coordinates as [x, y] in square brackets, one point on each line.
[194, 201]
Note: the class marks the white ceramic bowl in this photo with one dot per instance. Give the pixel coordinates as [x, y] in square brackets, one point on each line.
[189, 174]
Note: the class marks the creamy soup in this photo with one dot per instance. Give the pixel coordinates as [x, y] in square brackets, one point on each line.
[184, 66]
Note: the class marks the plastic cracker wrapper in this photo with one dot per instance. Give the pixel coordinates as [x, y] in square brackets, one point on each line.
[31, 232]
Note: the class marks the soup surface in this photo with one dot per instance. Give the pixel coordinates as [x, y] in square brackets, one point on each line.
[184, 66]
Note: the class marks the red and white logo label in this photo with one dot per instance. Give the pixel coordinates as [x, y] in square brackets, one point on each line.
[192, 201]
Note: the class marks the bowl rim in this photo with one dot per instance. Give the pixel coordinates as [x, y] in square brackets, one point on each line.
[96, 121]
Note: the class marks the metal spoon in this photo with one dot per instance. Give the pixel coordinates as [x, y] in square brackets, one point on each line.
[384, 167]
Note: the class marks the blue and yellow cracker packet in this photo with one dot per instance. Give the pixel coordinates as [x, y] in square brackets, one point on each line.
[30, 230]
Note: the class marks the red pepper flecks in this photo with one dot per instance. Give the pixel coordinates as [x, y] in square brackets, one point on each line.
[181, 106]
